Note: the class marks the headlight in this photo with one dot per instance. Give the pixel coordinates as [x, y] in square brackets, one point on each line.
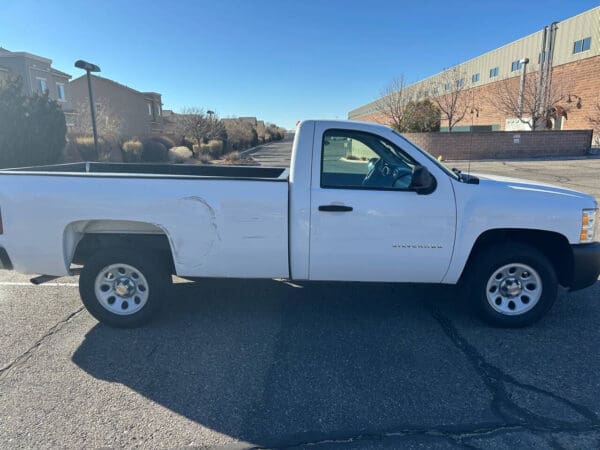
[588, 225]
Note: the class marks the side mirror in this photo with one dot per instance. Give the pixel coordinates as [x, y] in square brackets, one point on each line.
[422, 181]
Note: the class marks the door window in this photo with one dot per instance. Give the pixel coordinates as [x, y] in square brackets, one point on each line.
[358, 160]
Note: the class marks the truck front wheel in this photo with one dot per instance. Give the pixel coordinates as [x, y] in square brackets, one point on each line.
[512, 285]
[123, 288]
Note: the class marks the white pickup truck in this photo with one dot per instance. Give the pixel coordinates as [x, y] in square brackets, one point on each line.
[359, 203]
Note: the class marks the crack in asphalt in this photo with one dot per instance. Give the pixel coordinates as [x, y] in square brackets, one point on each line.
[497, 381]
[458, 436]
[23, 357]
[514, 418]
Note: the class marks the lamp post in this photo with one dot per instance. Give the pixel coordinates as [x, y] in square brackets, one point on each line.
[523, 62]
[89, 67]
[211, 115]
[211, 123]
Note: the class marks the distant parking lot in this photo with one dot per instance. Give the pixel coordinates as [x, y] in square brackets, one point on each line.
[579, 174]
[239, 364]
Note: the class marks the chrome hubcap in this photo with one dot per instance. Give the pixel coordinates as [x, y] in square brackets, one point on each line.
[511, 287]
[514, 289]
[125, 287]
[121, 289]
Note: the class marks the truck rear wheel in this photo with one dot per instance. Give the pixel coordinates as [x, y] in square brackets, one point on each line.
[123, 288]
[512, 285]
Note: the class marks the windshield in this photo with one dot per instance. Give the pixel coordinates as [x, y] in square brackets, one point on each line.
[438, 163]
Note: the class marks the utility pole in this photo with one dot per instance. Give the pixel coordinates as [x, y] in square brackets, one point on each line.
[545, 71]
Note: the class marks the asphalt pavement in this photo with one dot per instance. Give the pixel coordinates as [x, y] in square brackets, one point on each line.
[275, 154]
[242, 364]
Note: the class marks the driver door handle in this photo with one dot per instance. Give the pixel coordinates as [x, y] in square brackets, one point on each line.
[335, 208]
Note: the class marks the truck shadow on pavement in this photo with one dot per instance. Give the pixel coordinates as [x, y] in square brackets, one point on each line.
[275, 365]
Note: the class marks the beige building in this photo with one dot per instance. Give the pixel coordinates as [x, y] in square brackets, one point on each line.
[139, 113]
[573, 56]
[38, 76]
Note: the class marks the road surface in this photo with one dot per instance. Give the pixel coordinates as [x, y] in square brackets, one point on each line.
[277, 154]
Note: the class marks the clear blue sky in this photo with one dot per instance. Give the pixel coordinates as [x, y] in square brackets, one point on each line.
[278, 60]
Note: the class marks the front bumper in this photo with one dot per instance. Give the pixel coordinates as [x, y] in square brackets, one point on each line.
[586, 265]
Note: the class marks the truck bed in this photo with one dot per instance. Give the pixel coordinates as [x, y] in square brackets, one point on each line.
[155, 170]
[215, 218]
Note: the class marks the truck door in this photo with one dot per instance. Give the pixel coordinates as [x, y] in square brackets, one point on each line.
[366, 223]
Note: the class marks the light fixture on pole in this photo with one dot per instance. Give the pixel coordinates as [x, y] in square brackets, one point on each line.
[578, 104]
[89, 67]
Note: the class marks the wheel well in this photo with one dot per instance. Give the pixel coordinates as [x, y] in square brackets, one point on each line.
[155, 243]
[553, 245]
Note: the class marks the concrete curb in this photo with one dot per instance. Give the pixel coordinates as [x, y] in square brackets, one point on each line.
[539, 158]
[249, 151]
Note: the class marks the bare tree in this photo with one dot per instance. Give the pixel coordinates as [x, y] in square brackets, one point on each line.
[537, 110]
[194, 123]
[449, 93]
[108, 122]
[216, 128]
[393, 103]
[199, 125]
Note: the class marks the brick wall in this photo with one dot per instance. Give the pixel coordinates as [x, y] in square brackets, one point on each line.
[504, 144]
[581, 78]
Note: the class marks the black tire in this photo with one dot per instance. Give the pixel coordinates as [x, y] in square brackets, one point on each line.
[484, 267]
[157, 277]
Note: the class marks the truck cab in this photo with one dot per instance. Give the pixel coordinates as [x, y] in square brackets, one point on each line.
[366, 216]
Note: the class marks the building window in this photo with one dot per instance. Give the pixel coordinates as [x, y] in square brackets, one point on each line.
[435, 91]
[582, 45]
[42, 85]
[149, 104]
[60, 92]
[447, 86]
[475, 78]
[460, 83]
[494, 72]
[516, 65]
[158, 110]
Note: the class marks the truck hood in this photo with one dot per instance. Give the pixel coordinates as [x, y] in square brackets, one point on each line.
[499, 202]
[518, 184]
